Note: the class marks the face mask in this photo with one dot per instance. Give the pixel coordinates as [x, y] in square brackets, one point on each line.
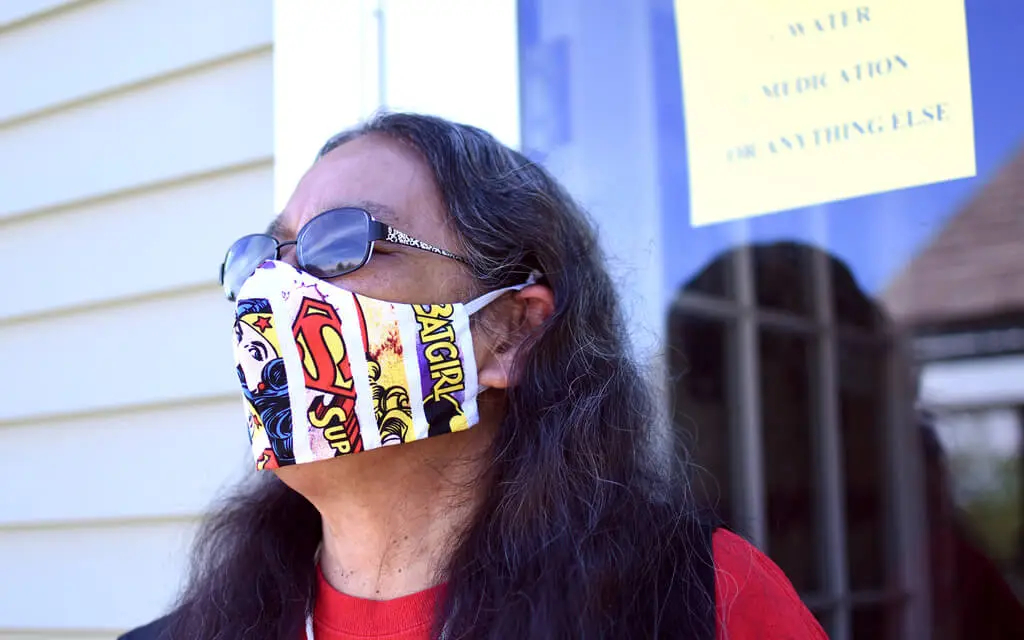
[326, 372]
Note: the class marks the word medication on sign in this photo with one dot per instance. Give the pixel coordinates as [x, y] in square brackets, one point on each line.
[792, 103]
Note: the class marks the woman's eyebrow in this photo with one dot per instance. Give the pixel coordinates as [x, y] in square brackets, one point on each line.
[276, 228]
[379, 211]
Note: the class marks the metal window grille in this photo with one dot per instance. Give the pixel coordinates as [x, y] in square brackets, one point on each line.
[846, 611]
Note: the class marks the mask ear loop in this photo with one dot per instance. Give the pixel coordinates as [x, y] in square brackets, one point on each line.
[477, 304]
[309, 615]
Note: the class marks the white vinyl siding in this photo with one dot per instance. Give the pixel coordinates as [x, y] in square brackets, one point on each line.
[136, 141]
[131, 240]
[186, 125]
[14, 13]
[138, 138]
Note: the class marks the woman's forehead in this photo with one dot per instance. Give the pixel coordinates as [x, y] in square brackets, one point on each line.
[384, 176]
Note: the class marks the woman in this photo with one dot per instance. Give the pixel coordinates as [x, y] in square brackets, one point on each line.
[519, 488]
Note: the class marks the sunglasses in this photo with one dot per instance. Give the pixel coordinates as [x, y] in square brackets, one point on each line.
[332, 244]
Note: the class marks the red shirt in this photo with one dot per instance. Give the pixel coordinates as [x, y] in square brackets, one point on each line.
[753, 600]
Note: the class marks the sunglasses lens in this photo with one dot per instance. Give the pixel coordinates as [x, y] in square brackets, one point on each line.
[335, 243]
[242, 259]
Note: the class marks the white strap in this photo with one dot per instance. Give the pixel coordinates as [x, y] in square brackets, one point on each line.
[479, 303]
[309, 618]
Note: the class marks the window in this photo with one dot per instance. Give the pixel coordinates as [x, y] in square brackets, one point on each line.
[795, 343]
[821, 403]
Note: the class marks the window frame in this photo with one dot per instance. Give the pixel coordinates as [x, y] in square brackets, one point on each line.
[902, 486]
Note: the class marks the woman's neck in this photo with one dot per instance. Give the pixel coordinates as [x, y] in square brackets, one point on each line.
[390, 517]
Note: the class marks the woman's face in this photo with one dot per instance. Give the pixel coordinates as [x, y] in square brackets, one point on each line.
[395, 183]
[390, 179]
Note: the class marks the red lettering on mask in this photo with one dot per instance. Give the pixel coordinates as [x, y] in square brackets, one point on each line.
[317, 331]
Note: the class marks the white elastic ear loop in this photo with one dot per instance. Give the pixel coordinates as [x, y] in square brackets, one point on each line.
[309, 617]
[477, 304]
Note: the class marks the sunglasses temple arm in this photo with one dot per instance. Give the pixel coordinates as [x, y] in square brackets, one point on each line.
[378, 230]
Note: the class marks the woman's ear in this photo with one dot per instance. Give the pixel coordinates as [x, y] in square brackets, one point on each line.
[505, 330]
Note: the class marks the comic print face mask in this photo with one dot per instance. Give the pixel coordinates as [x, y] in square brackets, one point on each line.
[326, 372]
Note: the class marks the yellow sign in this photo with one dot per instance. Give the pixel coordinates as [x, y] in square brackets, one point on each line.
[791, 103]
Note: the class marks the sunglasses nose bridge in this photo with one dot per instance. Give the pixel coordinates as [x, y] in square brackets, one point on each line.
[286, 252]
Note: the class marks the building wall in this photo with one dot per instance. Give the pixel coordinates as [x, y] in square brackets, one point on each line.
[135, 144]
[137, 140]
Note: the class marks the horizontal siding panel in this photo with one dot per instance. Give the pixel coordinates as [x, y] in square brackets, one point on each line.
[18, 10]
[220, 116]
[139, 40]
[103, 577]
[134, 464]
[162, 239]
[155, 351]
